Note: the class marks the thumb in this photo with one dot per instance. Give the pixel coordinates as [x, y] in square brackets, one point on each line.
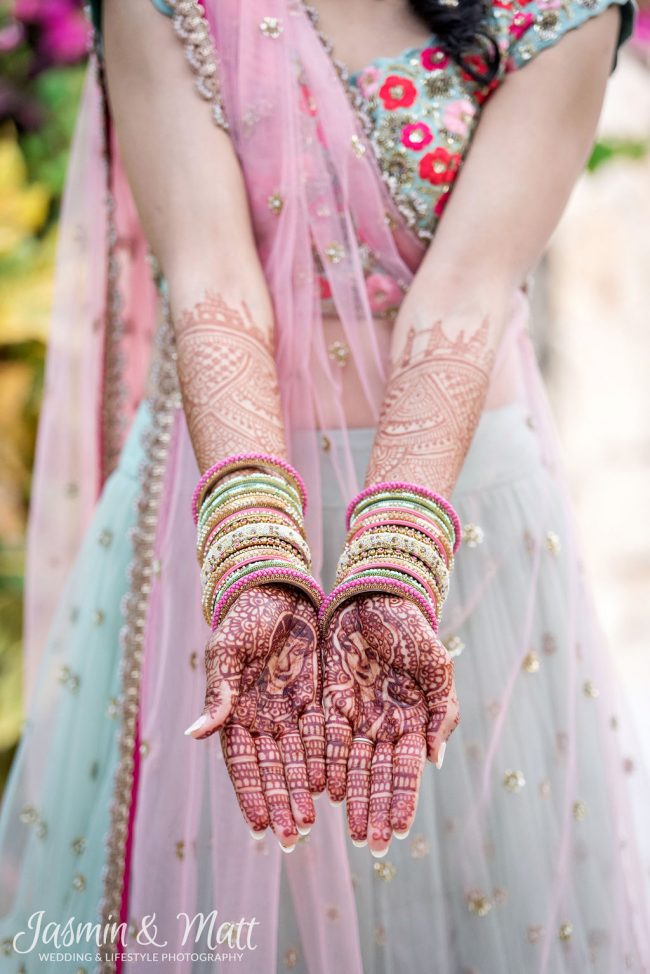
[221, 696]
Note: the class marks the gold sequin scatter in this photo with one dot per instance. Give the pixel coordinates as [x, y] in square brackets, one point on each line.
[335, 253]
[419, 847]
[271, 27]
[180, 849]
[454, 645]
[332, 913]
[144, 748]
[545, 788]
[113, 708]
[579, 811]
[385, 870]
[326, 444]
[275, 203]
[357, 146]
[473, 535]
[290, 957]
[590, 690]
[79, 882]
[98, 617]
[105, 538]
[69, 679]
[552, 542]
[7, 946]
[78, 845]
[157, 567]
[530, 663]
[565, 931]
[478, 903]
[194, 660]
[339, 353]
[513, 781]
[534, 934]
[28, 815]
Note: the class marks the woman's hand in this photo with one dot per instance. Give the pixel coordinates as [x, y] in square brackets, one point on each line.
[389, 700]
[263, 693]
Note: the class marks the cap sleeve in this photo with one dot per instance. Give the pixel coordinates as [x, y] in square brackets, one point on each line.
[526, 27]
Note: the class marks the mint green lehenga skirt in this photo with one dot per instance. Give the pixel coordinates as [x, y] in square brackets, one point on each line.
[524, 770]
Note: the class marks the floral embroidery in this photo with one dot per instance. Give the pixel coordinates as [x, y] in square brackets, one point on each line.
[397, 92]
[416, 136]
[383, 292]
[434, 59]
[368, 81]
[439, 166]
[521, 22]
[457, 116]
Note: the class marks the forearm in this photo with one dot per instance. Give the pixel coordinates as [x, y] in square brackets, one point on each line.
[443, 350]
[504, 206]
[191, 200]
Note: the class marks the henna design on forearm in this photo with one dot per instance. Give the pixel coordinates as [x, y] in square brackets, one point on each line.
[263, 694]
[432, 406]
[389, 700]
[229, 381]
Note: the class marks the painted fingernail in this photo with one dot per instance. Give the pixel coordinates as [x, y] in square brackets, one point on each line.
[401, 835]
[199, 722]
[337, 803]
[258, 836]
[441, 755]
[287, 848]
[379, 853]
[304, 831]
[359, 843]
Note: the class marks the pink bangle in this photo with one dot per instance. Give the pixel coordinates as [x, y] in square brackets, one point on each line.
[369, 586]
[235, 462]
[264, 576]
[397, 485]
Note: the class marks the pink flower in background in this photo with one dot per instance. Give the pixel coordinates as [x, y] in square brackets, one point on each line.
[11, 37]
[383, 292]
[368, 81]
[457, 115]
[63, 27]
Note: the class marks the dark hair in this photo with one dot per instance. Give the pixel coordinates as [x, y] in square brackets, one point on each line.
[461, 30]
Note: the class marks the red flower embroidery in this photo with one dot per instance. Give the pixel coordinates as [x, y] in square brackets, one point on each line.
[476, 62]
[434, 59]
[521, 22]
[441, 204]
[325, 289]
[439, 166]
[397, 92]
[481, 96]
[416, 136]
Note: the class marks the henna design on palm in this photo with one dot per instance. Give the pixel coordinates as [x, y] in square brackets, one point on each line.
[264, 686]
[389, 699]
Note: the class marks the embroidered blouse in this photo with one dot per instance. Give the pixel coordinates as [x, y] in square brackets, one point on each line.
[423, 109]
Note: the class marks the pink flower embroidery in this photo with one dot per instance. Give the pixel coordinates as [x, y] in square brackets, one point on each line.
[416, 136]
[383, 292]
[457, 115]
[434, 59]
[521, 22]
[368, 81]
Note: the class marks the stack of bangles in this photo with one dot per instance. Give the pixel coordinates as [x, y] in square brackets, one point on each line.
[251, 531]
[401, 540]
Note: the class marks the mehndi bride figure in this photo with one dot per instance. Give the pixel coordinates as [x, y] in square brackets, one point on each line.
[291, 341]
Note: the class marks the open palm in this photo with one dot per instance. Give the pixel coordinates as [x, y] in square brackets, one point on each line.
[263, 694]
[390, 700]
